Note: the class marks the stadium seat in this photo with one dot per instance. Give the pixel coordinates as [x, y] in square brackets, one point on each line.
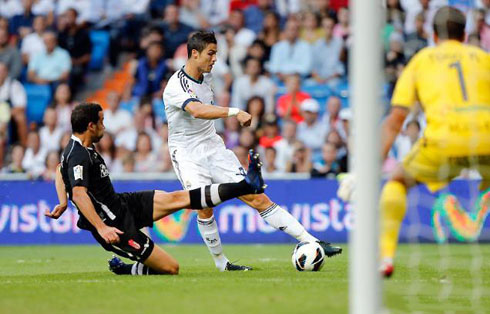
[100, 46]
[38, 98]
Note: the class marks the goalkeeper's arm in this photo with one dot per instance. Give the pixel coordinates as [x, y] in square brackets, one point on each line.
[391, 127]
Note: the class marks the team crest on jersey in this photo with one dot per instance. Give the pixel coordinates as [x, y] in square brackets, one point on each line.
[103, 171]
[78, 172]
[192, 93]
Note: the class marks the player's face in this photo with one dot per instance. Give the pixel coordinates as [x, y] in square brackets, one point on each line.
[99, 128]
[207, 58]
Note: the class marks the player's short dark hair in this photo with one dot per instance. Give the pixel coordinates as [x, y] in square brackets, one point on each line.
[82, 115]
[449, 23]
[199, 40]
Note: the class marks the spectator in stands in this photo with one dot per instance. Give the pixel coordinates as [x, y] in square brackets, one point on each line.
[146, 160]
[256, 108]
[255, 14]
[15, 165]
[50, 133]
[271, 132]
[44, 8]
[394, 60]
[288, 105]
[270, 161]
[216, 12]
[163, 155]
[242, 155]
[331, 117]
[127, 139]
[333, 136]
[257, 50]
[35, 155]
[327, 67]
[417, 40]
[328, 166]
[271, 32]
[285, 147]
[323, 8]
[33, 43]
[116, 119]
[244, 36]
[63, 104]
[395, 14]
[229, 50]
[248, 139]
[301, 161]
[128, 163]
[312, 131]
[52, 66]
[4, 23]
[10, 8]
[21, 24]
[51, 164]
[311, 31]
[291, 55]
[150, 72]
[232, 132]
[405, 141]
[253, 83]
[65, 139]
[342, 29]
[10, 55]
[107, 149]
[190, 14]
[76, 41]
[345, 116]
[13, 99]
[175, 32]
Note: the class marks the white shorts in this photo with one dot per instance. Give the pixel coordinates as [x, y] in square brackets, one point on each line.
[206, 163]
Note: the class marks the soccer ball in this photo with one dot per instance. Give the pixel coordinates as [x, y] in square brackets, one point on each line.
[308, 256]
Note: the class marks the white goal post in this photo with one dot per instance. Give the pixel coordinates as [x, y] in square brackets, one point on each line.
[365, 83]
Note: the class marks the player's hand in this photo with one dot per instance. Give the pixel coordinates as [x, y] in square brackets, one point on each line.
[244, 118]
[57, 211]
[347, 184]
[110, 234]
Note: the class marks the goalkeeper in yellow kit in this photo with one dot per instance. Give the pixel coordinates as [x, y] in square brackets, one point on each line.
[451, 81]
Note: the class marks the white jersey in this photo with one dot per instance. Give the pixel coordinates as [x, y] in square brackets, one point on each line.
[183, 128]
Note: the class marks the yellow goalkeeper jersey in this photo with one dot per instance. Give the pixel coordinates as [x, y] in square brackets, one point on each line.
[452, 83]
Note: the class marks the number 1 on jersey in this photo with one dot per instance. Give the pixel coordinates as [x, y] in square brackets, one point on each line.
[457, 65]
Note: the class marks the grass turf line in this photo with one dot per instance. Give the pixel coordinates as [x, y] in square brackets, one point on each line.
[75, 279]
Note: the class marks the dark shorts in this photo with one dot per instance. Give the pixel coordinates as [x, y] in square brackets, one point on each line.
[136, 212]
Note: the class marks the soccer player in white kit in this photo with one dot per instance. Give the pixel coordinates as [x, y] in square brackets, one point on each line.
[199, 156]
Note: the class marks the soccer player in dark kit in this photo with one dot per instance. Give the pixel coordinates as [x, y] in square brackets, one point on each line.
[115, 219]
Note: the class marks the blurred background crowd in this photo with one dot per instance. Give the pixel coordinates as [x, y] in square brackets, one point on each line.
[284, 61]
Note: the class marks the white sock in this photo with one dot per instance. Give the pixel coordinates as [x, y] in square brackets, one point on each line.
[210, 235]
[282, 220]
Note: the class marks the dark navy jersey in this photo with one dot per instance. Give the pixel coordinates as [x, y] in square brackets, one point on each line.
[83, 166]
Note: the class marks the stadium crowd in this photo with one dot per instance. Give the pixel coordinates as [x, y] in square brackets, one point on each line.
[285, 62]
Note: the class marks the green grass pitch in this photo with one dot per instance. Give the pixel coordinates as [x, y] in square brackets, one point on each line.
[75, 279]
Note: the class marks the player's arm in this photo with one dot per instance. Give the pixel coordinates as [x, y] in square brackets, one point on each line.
[85, 205]
[404, 97]
[62, 198]
[78, 174]
[391, 127]
[209, 112]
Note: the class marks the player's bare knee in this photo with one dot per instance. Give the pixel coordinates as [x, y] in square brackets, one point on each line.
[205, 213]
[172, 269]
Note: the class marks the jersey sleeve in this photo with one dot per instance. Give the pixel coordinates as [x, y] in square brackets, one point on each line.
[405, 93]
[177, 94]
[78, 169]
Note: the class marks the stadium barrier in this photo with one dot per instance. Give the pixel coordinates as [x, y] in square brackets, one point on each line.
[458, 214]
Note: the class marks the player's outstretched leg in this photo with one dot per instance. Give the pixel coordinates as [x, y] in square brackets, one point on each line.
[393, 204]
[278, 217]
[158, 263]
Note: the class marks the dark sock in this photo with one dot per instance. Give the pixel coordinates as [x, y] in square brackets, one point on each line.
[124, 269]
[214, 194]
